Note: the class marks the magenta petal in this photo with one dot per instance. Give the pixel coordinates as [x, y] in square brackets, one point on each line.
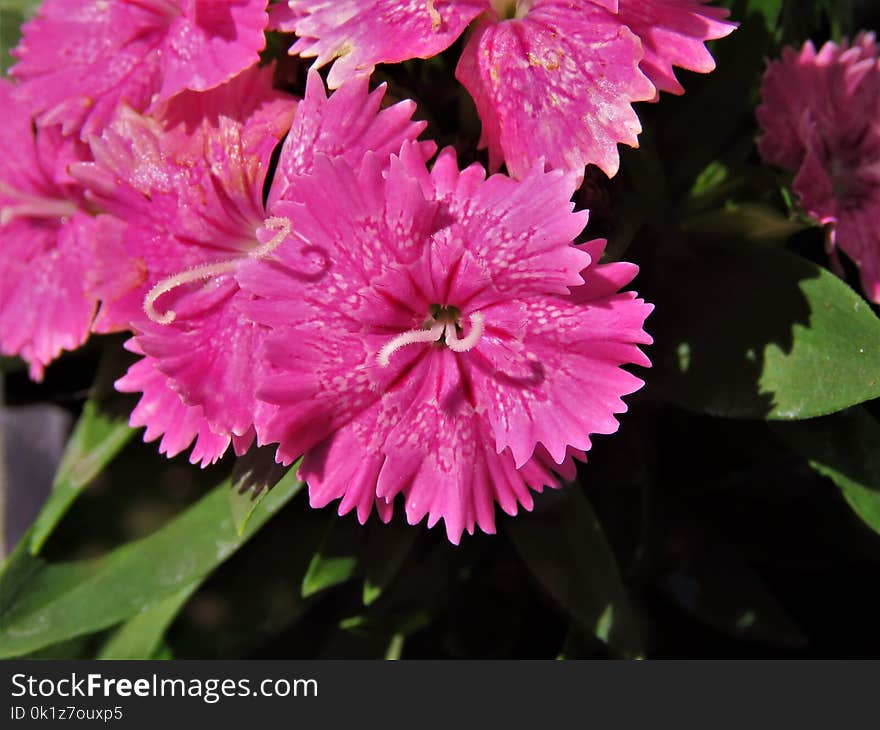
[555, 87]
[562, 381]
[165, 415]
[818, 117]
[210, 42]
[79, 60]
[357, 34]
[207, 354]
[43, 306]
[673, 33]
[348, 124]
[48, 245]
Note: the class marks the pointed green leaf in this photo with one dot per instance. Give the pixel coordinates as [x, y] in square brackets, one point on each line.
[337, 559]
[746, 331]
[97, 438]
[395, 647]
[41, 603]
[756, 222]
[25, 7]
[846, 449]
[141, 636]
[243, 505]
[12, 14]
[564, 547]
[254, 474]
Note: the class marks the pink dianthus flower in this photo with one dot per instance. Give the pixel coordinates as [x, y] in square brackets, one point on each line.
[553, 80]
[189, 185]
[48, 240]
[80, 59]
[457, 350]
[820, 117]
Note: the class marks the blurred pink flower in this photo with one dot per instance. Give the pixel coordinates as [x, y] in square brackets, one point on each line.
[820, 117]
[48, 240]
[459, 350]
[553, 80]
[80, 59]
[189, 185]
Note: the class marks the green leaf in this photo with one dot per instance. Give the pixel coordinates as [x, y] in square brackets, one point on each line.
[846, 449]
[395, 647]
[25, 7]
[12, 14]
[41, 603]
[80, 647]
[97, 438]
[253, 476]
[757, 222]
[387, 546]
[769, 9]
[564, 547]
[10, 23]
[746, 331]
[337, 558]
[141, 636]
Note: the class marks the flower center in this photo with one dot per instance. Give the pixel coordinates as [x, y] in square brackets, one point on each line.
[282, 228]
[443, 325]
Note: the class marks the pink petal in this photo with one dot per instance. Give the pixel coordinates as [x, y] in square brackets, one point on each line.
[47, 244]
[818, 117]
[673, 33]
[43, 307]
[348, 125]
[79, 60]
[207, 354]
[164, 414]
[555, 87]
[357, 34]
[210, 43]
[562, 381]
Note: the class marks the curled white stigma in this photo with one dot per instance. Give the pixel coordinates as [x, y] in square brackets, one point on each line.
[466, 343]
[433, 334]
[209, 271]
[409, 338]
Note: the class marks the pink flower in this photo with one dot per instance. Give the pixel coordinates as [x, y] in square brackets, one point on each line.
[79, 59]
[190, 184]
[48, 240]
[458, 349]
[820, 117]
[553, 80]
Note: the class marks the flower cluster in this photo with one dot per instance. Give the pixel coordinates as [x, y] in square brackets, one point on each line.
[296, 271]
[553, 80]
[821, 119]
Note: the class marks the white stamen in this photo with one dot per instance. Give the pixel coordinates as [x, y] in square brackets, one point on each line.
[409, 338]
[442, 328]
[33, 206]
[275, 223]
[209, 271]
[466, 343]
